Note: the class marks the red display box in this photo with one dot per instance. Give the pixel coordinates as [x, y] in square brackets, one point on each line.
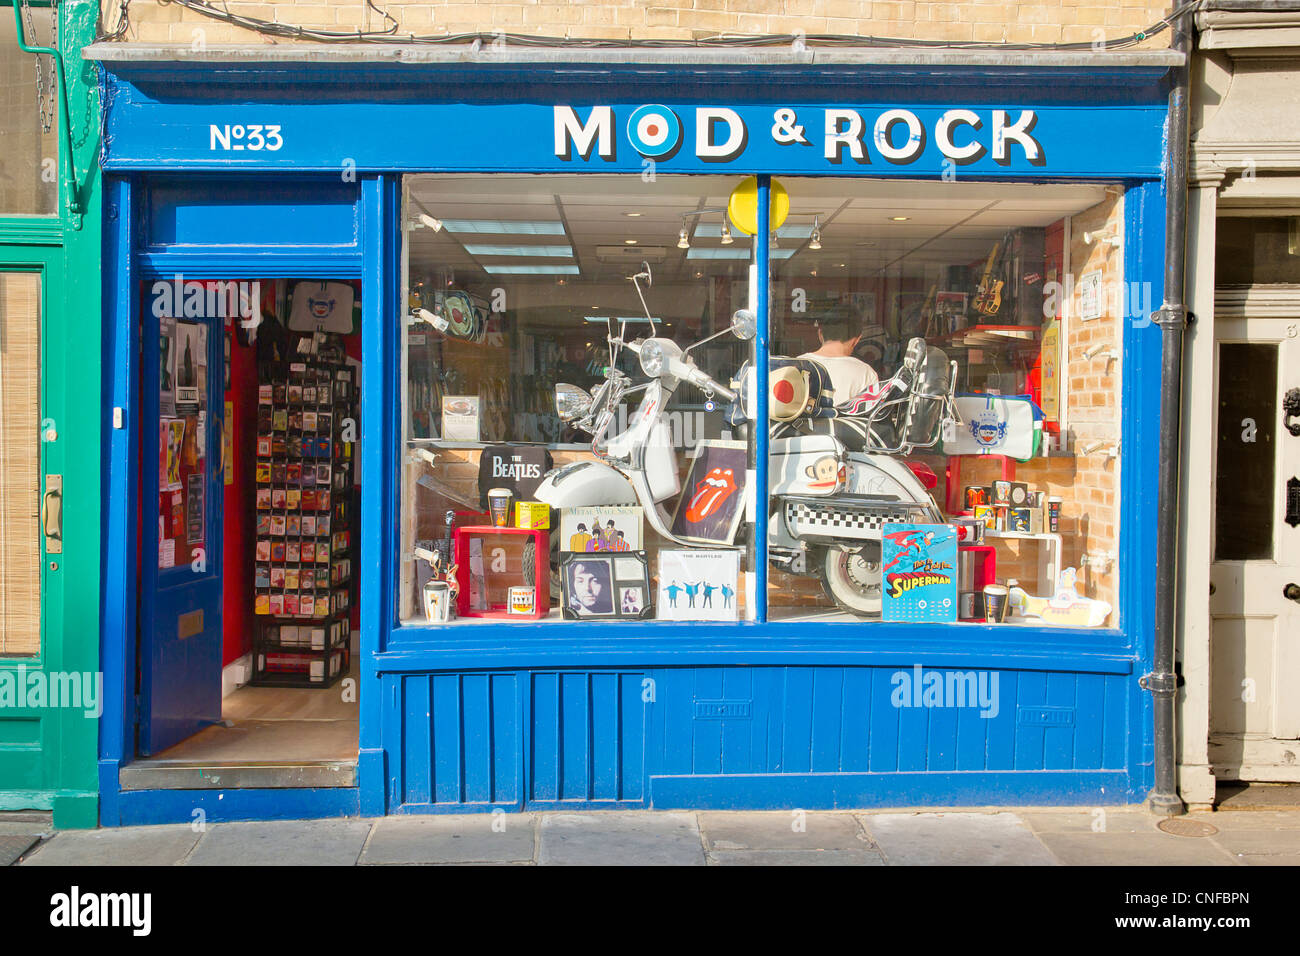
[510, 545]
[984, 558]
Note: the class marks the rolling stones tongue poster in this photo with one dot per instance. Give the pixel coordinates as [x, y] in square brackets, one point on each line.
[713, 499]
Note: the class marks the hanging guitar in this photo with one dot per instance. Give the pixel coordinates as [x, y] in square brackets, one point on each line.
[988, 297]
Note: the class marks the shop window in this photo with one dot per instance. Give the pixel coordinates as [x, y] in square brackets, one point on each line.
[516, 287]
[971, 336]
[29, 146]
[943, 393]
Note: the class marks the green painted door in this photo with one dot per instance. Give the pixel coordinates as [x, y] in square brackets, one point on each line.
[51, 424]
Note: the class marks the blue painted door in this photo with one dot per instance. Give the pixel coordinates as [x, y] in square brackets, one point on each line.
[181, 490]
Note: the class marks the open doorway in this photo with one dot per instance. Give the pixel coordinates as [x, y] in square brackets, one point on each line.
[249, 499]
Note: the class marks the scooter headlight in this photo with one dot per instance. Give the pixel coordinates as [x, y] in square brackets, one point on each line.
[653, 358]
[571, 402]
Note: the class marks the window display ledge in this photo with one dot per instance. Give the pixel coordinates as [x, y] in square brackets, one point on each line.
[424, 647]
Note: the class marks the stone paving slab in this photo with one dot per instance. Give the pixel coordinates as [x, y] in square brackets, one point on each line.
[282, 843]
[621, 838]
[24, 829]
[37, 820]
[1134, 849]
[462, 838]
[795, 858]
[956, 839]
[124, 846]
[1249, 844]
[1230, 820]
[12, 846]
[1090, 820]
[782, 830]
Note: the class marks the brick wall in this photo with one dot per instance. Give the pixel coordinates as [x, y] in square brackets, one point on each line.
[984, 21]
[1088, 483]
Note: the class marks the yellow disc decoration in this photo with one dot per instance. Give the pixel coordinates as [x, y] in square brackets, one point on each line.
[742, 207]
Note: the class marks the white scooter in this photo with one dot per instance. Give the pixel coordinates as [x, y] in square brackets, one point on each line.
[828, 503]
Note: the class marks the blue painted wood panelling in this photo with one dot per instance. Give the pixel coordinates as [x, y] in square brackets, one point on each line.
[194, 211]
[601, 738]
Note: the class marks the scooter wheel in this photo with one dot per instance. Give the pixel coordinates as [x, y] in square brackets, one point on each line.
[852, 579]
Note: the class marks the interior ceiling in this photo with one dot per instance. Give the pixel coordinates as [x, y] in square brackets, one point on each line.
[948, 223]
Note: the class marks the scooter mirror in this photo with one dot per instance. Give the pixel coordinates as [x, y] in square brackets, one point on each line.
[744, 324]
[571, 402]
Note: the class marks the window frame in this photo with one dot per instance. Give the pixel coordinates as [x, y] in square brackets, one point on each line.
[542, 643]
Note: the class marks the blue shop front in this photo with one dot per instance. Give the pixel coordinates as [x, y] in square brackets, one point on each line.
[432, 481]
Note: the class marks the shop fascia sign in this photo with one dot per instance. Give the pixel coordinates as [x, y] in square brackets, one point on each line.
[719, 134]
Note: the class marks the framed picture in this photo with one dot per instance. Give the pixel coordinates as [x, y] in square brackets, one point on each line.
[605, 586]
[713, 501]
[698, 585]
[613, 528]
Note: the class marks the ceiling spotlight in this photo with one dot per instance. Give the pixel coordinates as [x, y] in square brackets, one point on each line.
[634, 215]
[899, 218]
[434, 224]
[629, 242]
[683, 240]
[726, 233]
[815, 242]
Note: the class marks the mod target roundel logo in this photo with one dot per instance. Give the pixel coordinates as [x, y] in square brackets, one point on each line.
[654, 130]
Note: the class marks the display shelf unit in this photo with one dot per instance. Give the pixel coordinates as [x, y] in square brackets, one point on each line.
[303, 558]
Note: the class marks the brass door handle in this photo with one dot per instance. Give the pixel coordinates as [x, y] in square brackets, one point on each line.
[52, 514]
[1292, 592]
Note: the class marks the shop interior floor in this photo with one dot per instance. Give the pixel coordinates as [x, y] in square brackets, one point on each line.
[268, 737]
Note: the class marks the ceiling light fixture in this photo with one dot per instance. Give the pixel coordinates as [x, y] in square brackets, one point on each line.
[683, 238]
[726, 233]
[815, 242]
[434, 224]
[899, 218]
[634, 215]
[629, 242]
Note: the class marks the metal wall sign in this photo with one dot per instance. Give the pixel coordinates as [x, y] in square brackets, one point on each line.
[866, 131]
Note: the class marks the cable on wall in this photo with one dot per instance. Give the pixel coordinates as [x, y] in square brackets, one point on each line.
[220, 11]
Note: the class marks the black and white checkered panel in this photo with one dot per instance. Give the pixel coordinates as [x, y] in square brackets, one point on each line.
[852, 523]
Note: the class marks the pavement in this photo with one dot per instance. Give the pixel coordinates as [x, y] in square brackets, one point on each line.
[973, 837]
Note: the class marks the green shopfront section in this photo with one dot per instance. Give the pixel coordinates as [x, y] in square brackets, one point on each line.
[49, 691]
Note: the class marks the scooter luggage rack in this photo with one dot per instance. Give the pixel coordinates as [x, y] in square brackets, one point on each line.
[816, 521]
[910, 394]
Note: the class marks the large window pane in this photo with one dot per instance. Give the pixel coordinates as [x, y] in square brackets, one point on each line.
[28, 154]
[889, 297]
[516, 284]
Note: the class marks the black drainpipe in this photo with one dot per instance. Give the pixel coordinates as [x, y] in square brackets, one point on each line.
[1172, 319]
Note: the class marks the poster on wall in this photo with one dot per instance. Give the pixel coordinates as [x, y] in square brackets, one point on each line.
[166, 366]
[1050, 366]
[191, 362]
[460, 418]
[171, 442]
[612, 528]
[918, 565]
[194, 509]
[698, 585]
[713, 501]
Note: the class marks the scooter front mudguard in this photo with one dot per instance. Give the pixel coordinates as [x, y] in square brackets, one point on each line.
[585, 483]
